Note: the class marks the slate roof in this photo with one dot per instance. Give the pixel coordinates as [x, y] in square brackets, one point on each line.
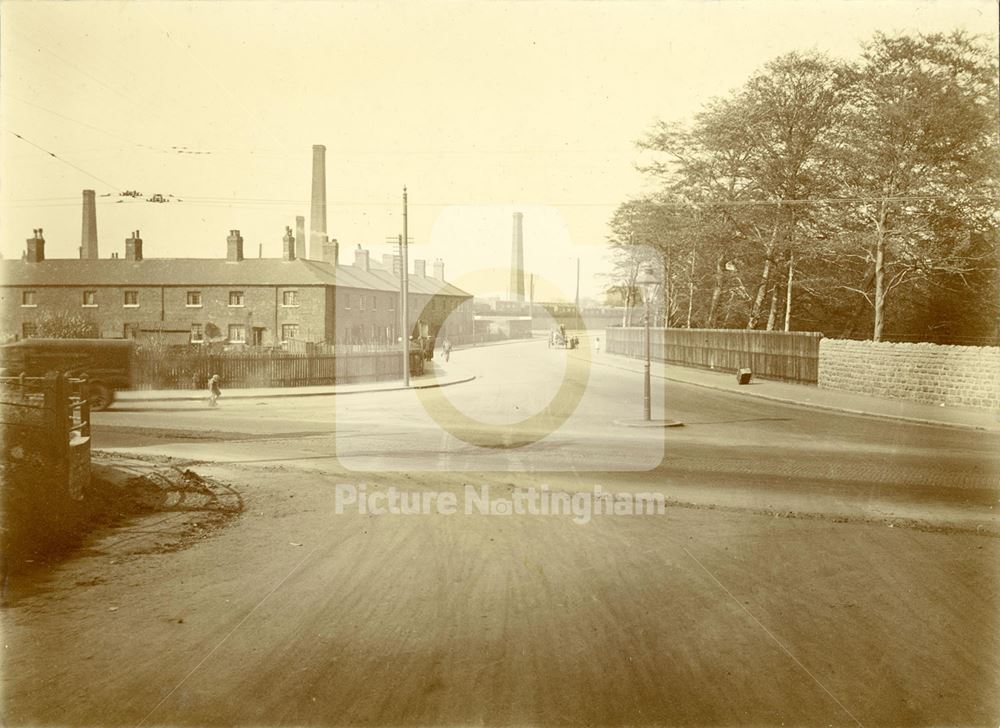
[210, 272]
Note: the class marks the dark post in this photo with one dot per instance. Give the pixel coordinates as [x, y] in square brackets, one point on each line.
[405, 292]
[646, 407]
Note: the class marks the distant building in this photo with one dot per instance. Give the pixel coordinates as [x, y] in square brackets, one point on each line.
[235, 300]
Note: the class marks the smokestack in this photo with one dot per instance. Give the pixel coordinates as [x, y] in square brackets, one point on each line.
[88, 236]
[317, 222]
[234, 247]
[133, 247]
[300, 237]
[36, 247]
[288, 245]
[517, 261]
[439, 269]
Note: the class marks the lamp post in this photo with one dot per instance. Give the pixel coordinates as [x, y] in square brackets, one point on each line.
[648, 283]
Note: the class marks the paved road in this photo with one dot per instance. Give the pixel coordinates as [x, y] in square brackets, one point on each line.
[810, 569]
[733, 451]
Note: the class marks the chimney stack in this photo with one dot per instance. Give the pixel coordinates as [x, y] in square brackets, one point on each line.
[300, 237]
[36, 247]
[234, 248]
[88, 235]
[439, 269]
[361, 258]
[517, 261]
[393, 262]
[317, 222]
[331, 251]
[288, 247]
[420, 268]
[133, 247]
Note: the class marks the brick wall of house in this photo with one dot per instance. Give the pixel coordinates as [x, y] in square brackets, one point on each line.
[165, 309]
[321, 313]
[965, 376]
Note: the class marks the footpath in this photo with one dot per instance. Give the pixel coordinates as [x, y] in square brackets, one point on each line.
[810, 395]
[438, 374]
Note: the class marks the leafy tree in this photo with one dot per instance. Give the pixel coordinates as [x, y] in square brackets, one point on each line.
[919, 154]
[66, 325]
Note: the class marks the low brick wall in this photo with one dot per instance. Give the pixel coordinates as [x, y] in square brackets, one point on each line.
[963, 376]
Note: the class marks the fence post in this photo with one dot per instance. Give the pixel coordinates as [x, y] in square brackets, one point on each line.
[56, 412]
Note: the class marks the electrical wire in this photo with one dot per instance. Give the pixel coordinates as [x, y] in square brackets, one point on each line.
[64, 161]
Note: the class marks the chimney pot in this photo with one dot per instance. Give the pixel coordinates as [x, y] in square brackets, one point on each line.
[234, 247]
[133, 247]
[420, 268]
[288, 248]
[331, 251]
[361, 258]
[36, 247]
[439, 269]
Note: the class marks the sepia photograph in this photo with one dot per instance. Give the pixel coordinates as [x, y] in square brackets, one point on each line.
[467, 363]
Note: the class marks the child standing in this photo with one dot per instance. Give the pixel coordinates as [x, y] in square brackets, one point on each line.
[214, 391]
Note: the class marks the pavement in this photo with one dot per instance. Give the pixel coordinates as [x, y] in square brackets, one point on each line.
[438, 375]
[810, 395]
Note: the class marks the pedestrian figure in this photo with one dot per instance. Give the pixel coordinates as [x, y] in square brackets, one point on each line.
[447, 349]
[214, 391]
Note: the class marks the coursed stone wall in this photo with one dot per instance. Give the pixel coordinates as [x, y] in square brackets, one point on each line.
[962, 376]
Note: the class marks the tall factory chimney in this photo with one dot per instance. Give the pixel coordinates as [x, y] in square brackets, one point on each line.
[517, 261]
[317, 222]
[88, 236]
[300, 237]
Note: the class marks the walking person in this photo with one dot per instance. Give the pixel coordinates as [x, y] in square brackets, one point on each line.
[447, 349]
[214, 391]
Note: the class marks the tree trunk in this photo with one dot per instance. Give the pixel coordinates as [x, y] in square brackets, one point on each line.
[788, 292]
[691, 289]
[713, 308]
[772, 314]
[880, 291]
[765, 276]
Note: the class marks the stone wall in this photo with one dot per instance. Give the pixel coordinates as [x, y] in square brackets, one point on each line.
[963, 376]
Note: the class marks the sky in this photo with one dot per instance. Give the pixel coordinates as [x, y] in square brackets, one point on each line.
[479, 109]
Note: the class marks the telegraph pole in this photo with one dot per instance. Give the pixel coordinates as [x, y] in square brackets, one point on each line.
[404, 288]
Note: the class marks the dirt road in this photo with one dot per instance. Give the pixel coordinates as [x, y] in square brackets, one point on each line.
[297, 615]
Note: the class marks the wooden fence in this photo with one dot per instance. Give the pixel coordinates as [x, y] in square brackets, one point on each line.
[790, 356]
[191, 370]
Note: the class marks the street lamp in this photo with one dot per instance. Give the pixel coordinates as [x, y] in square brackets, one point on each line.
[648, 284]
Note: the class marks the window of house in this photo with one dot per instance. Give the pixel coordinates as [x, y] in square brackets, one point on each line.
[347, 301]
[361, 303]
[289, 331]
[131, 298]
[129, 331]
[392, 303]
[193, 299]
[90, 298]
[28, 298]
[290, 298]
[28, 330]
[374, 303]
[236, 298]
[237, 334]
[197, 333]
